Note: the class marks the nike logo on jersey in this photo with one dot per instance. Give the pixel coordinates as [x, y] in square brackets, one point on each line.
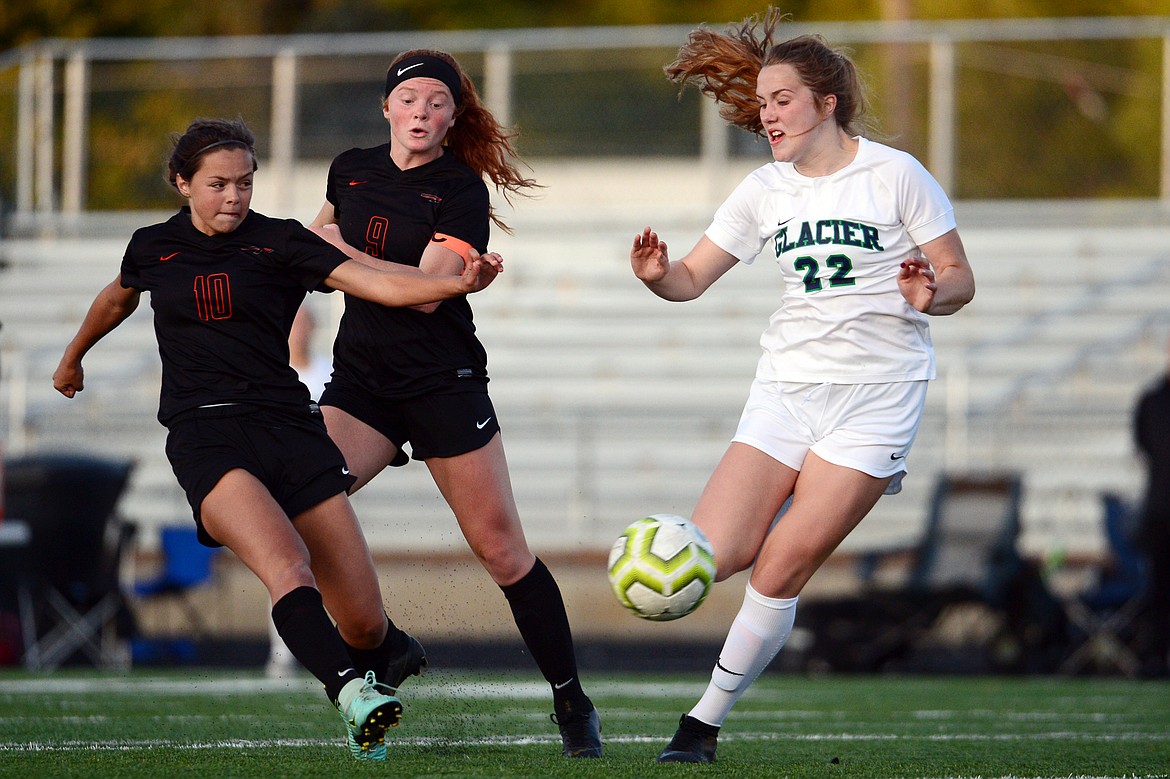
[786, 221]
[410, 67]
[164, 259]
[357, 183]
[897, 456]
[432, 198]
[345, 471]
[483, 424]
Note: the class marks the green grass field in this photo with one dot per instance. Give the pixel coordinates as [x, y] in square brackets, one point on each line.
[484, 724]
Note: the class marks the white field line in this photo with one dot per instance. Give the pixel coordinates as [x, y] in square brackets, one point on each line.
[544, 738]
[496, 689]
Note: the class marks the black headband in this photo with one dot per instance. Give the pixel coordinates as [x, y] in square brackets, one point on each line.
[423, 66]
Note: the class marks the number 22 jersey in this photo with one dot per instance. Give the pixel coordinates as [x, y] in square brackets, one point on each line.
[839, 241]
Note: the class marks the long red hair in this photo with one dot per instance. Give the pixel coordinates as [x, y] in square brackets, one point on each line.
[478, 140]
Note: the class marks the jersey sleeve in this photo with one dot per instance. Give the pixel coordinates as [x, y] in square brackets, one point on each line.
[927, 213]
[734, 228]
[310, 257]
[131, 277]
[330, 184]
[465, 215]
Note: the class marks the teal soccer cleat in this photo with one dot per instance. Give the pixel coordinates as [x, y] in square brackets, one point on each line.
[367, 714]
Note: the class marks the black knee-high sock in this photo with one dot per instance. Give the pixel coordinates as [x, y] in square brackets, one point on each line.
[539, 612]
[378, 658]
[302, 622]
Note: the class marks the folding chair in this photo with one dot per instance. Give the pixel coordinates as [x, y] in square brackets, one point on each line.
[187, 565]
[1105, 613]
[76, 609]
[967, 554]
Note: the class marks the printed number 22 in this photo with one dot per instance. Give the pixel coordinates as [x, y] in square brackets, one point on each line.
[840, 278]
[213, 296]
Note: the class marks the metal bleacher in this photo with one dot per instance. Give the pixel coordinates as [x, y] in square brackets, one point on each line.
[615, 404]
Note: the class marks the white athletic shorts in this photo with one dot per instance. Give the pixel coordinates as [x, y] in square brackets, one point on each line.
[867, 427]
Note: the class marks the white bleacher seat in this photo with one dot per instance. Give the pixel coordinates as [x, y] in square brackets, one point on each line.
[616, 404]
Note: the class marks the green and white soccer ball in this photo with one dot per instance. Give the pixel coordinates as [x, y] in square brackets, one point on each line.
[661, 567]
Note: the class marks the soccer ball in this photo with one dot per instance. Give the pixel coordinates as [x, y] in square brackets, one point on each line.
[661, 567]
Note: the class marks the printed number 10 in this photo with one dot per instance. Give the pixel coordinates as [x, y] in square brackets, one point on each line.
[213, 297]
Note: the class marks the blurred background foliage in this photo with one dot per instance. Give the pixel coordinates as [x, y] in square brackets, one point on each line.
[22, 21]
[1036, 119]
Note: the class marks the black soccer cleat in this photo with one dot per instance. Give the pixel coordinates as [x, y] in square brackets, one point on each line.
[693, 742]
[411, 662]
[580, 734]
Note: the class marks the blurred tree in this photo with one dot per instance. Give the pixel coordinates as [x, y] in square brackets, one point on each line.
[22, 21]
[1058, 121]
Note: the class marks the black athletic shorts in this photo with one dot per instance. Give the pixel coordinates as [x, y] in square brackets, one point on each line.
[289, 451]
[435, 425]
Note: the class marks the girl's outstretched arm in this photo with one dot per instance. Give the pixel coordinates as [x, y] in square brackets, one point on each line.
[109, 309]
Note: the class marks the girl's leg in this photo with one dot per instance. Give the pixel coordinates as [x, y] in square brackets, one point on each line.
[828, 502]
[478, 488]
[241, 514]
[345, 572]
[366, 451]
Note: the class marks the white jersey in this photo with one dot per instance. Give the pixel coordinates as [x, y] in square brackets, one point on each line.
[839, 241]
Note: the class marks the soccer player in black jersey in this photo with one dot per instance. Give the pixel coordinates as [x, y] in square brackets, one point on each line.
[419, 375]
[245, 441]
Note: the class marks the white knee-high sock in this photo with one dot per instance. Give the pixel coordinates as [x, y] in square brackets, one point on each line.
[757, 634]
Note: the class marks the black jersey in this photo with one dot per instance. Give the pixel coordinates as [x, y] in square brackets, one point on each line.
[392, 214]
[224, 305]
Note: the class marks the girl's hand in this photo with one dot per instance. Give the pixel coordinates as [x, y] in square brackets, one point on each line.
[332, 233]
[69, 378]
[479, 270]
[916, 281]
[648, 257]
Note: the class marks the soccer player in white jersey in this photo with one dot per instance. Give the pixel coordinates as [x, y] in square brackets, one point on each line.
[867, 247]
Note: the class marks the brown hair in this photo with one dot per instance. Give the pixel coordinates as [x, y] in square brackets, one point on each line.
[725, 66]
[478, 140]
[203, 136]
